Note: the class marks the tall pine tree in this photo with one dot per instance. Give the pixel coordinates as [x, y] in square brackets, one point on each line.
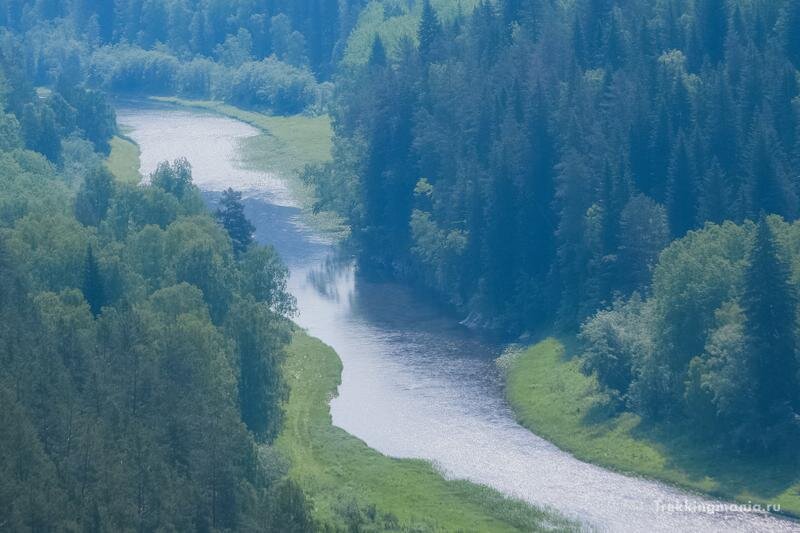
[377, 57]
[231, 215]
[429, 30]
[790, 31]
[680, 192]
[93, 289]
[769, 308]
[712, 25]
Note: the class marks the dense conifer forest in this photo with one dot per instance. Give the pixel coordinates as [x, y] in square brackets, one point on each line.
[532, 162]
[532, 159]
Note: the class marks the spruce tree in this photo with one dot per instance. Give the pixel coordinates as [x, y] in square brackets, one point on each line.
[93, 290]
[790, 31]
[713, 196]
[680, 192]
[712, 21]
[429, 30]
[613, 45]
[769, 308]
[768, 186]
[377, 57]
[578, 43]
[231, 215]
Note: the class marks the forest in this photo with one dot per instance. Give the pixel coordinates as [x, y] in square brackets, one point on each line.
[272, 54]
[135, 393]
[620, 172]
[532, 163]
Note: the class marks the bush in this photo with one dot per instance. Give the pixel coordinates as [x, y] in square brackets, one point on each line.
[615, 339]
[271, 84]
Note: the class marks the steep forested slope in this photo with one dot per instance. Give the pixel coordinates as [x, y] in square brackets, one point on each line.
[532, 159]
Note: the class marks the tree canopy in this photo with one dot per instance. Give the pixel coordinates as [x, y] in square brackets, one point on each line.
[141, 381]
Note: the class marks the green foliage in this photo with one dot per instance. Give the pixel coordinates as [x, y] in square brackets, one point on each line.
[94, 197]
[714, 342]
[264, 55]
[643, 233]
[259, 336]
[174, 178]
[270, 84]
[43, 122]
[719, 389]
[538, 124]
[230, 214]
[790, 31]
[429, 31]
[769, 307]
[139, 376]
[9, 132]
[29, 184]
[126, 68]
[263, 277]
[92, 288]
[40, 131]
[394, 21]
[134, 207]
[377, 57]
[617, 343]
[94, 116]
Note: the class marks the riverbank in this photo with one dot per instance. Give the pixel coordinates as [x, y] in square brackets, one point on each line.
[353, 486]
[123, 161]
[347, 480]
[287, 145]
[551, 397]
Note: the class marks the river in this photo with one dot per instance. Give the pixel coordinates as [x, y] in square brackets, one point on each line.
[415, 382]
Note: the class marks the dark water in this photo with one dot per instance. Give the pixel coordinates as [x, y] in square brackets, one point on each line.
[415, 382]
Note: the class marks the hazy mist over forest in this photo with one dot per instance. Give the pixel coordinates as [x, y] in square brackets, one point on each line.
[357, 265]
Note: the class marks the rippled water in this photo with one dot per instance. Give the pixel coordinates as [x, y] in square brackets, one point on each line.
[415, 383]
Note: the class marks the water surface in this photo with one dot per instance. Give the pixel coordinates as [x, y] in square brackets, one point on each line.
[415, 382]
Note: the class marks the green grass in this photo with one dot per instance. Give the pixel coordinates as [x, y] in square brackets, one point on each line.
[288, 143]
[552, 398]
[123, 161]
[334, 467]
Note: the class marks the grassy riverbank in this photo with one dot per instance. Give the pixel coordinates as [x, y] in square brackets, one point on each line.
[340, 473]
[285, 147]
[288, 143]
[551, 397]
[123, 161]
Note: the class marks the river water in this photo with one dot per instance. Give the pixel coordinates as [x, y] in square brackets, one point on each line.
[415, 382]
